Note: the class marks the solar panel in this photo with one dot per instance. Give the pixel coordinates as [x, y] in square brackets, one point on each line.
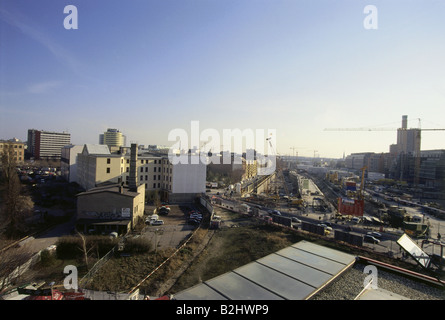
[235, 287]
[293, 273]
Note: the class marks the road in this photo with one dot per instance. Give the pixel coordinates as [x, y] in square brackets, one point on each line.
[49, 237]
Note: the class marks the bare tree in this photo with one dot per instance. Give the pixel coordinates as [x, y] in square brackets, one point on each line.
[16, 206]
[13, 262]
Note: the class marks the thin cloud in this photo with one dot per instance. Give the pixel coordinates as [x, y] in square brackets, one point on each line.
[20, 22]
[43, 87]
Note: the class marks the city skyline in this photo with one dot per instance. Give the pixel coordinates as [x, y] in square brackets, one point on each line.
[148, 67]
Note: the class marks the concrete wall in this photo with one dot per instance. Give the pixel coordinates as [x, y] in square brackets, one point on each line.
[189, 177]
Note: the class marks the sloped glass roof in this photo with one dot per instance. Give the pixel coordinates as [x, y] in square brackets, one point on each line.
[293, 273]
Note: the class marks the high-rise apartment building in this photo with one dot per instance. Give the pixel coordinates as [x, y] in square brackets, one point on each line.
[46, 144]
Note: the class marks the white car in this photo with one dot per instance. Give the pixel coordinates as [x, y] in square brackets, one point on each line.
[157, 222]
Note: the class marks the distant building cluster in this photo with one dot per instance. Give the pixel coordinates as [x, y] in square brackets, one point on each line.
[406, 162]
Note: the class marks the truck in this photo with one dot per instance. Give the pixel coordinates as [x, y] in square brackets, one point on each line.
[415, 230]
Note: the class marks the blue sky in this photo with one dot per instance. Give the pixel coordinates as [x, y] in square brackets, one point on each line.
[148, 67]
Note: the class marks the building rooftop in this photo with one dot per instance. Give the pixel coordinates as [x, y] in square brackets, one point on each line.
[112, 188]
[97, 149]
[293, 273]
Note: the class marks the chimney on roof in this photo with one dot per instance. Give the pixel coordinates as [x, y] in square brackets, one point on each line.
[133, 178]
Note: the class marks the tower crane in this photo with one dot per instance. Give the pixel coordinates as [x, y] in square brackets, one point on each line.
[278, 167]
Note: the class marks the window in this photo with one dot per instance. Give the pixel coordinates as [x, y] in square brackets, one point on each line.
[146, 169]
[142, 178]
[154, 185]
[142, 169]
[146, 177]
[155, 169]
[154, 177]
[108, 160]
[108, 170]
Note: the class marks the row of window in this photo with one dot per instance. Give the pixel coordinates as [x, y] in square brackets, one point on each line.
[142, 170]
[156, 185]
[159, 161]
[154, 178]
[10, 146]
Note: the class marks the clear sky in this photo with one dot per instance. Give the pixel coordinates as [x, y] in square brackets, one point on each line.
[296, 66]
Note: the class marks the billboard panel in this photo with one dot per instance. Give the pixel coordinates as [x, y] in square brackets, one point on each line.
[313, 228]
[414, 250]
[354, 239]
[286, 221]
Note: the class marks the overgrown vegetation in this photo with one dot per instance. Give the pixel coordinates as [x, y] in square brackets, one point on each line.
[71, 247]
[15, 204]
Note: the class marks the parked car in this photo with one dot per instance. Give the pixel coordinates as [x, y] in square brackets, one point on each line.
[294, 219]
[371, 239]
[374, 234]
[164, 210]
[325, 226]
[157, 222]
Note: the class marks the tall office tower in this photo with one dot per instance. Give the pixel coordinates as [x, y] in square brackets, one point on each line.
[46, 144]
[408, 140]
[112, 138]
